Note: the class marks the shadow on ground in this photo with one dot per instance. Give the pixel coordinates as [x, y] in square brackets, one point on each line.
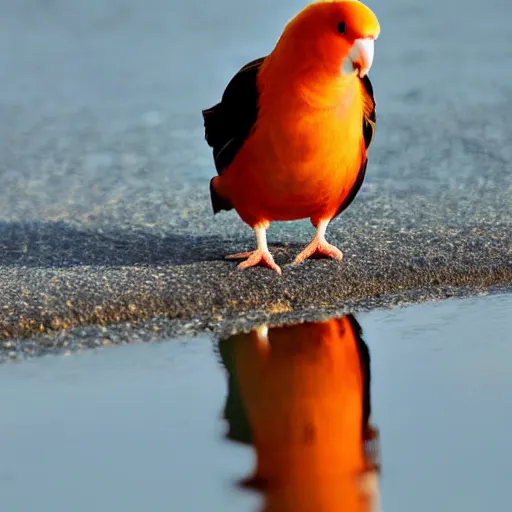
[57, 244]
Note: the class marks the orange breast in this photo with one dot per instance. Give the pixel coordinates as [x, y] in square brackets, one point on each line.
[301, 161]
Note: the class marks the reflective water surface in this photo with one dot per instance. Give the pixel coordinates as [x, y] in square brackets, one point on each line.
[301, 396]
[402, 410]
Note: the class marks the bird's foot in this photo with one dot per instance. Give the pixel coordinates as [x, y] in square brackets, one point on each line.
[321, 247]
[238, 255]
[254, 258]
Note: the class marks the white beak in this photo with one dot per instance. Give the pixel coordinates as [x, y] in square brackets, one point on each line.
[360, 57]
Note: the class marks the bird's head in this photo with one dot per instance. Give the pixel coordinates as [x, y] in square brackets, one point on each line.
[336, 36]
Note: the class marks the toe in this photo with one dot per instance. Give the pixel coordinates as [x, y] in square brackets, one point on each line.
[269, 261]
[306, 253]
[260, 257]
[249, 262]
[321, 248]
[239, 255]
[330, 251]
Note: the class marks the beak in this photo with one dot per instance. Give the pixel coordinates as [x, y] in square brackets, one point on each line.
[361, 55]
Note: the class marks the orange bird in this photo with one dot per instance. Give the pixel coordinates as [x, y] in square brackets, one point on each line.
[301, 396]
[292, 129]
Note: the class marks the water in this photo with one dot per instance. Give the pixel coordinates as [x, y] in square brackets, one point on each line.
[181, 425]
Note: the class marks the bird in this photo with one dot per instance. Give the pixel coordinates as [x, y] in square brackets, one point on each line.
[291, 132]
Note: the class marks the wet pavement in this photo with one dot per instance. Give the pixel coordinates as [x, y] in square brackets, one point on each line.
[104, 212]
[411, 413]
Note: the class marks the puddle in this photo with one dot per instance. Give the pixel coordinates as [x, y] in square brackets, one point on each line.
[279, 419]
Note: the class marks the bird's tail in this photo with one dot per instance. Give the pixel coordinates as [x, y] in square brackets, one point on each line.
[211, 121]
[219, 202]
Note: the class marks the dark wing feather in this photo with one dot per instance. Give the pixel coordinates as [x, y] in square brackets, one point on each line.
[369, 116]
[364, 360]
[369, 123]
[228, 123]
[354, 190]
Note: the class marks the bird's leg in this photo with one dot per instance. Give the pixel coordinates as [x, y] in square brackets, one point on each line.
[260, 255]
[319, 245]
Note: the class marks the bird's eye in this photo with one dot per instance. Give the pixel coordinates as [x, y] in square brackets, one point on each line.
[342, 27]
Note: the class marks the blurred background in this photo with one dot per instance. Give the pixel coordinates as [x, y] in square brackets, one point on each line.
[101, 100]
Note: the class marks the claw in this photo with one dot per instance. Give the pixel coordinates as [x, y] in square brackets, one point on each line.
[260, 256]
[319, 245]
[238, 255]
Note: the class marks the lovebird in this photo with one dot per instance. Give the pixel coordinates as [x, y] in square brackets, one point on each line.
[291, 132]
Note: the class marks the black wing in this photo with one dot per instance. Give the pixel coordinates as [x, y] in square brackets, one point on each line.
[228, 124]
[369, 116]
[369, 123]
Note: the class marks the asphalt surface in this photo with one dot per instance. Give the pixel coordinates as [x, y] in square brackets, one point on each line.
[106, 230]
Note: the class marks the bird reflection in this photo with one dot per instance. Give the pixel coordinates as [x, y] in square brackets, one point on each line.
[301, 396]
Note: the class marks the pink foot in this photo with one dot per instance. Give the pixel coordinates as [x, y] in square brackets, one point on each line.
[254, 258]
[321, 247]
